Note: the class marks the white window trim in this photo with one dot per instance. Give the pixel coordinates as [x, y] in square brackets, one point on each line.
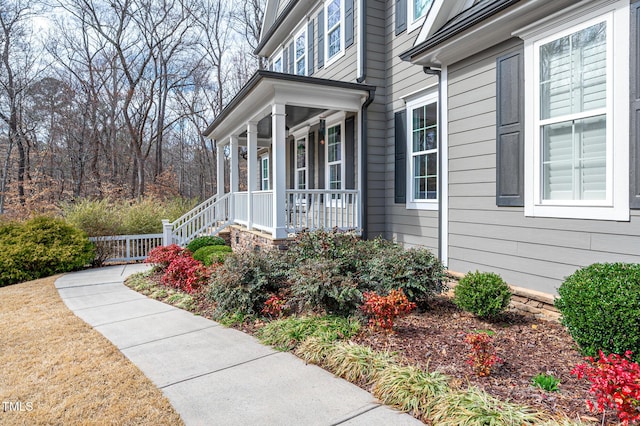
[413, 204]
[330, 60]
[305, 55]
[275, 59]
[263, 158]
[342, 162]
[306, 165]
[415, 24]
[616, 206]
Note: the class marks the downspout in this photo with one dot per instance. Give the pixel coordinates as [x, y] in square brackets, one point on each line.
[364, 170]
[362, 41]
[437, 72]
[362, 75]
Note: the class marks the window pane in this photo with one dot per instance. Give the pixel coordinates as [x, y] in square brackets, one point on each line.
[301, 159]
[333, 14]
[300, 67]
[335, 179]
[420, 8]
[277, 65]
[574, 160]
[573, 73]
[302, 179]
[334, 42]
[333, 144]
[425, 128]
[300, 45]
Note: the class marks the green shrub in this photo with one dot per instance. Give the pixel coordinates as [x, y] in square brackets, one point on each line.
[320, 284]
[142, 217]
[212, 254]
[245, 282]
[416, 271]
[41, 247]
[209, 240]
[600, 306]
[97, 218]
[484, 294]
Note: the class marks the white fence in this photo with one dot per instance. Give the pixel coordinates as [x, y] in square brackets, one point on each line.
[322, 209]
[125, 248]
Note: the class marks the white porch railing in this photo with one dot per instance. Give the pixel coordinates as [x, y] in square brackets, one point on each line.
[241, 207]
[126, 248]
[208, 218]
[322, 209]
[262, 209]
[304, 209]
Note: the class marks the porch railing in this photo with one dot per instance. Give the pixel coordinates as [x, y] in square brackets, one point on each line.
[208, 218]
[304, 209]
[322, 209]
[126, 248]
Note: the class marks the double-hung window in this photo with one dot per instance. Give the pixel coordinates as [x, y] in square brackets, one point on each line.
[334, 158]
[334, 24]
[301, 52]
[578, 119]
[264, 173]
[301, 164]
[422, 150]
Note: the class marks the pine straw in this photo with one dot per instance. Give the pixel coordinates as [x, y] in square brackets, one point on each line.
[67, 372]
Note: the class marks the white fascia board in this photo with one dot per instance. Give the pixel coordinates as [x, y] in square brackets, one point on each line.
[490, 32]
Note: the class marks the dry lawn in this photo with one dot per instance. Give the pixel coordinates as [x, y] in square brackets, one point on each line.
[58, 370]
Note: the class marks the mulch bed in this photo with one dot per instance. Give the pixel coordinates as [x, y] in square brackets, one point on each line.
[434, 339]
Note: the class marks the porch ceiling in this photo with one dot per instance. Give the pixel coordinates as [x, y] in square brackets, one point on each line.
[303, 97]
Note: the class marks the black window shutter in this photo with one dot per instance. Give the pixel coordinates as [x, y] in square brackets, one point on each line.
[510, 130]
[350, 153]
[321, 39]
[292, 59]
[634, 149]
[321, 162]
[348, 23]
[310, 45]
[400, 187]
[285, 60]
[270, 66]
[401, 16]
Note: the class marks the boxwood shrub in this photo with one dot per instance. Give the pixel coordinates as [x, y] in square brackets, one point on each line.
[207, 240]
[600, 306]
[41, 247]
[484, 294]
[212, 254]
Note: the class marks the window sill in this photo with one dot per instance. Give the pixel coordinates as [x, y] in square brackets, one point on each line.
[620, 214]
[423, 205]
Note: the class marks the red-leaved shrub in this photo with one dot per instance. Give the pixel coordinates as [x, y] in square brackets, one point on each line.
[163, 256]
[273, 307]
[186, 273]
[483, 354]
[383, 310]
[615, 382]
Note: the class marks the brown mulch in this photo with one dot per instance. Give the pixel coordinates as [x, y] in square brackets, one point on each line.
[434, 339]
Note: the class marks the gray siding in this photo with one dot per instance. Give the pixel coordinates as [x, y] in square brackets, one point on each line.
[536, 253]
[410, 227]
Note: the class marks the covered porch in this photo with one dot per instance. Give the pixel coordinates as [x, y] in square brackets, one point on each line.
[302, 141]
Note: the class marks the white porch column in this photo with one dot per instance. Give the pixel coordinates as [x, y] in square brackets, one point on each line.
[252, 154]
[220, 168]
[279, 144]
[233, 161]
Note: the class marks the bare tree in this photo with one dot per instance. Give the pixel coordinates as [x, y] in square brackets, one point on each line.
[18, 69]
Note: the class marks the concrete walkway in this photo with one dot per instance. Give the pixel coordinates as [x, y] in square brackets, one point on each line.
[211, 374]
